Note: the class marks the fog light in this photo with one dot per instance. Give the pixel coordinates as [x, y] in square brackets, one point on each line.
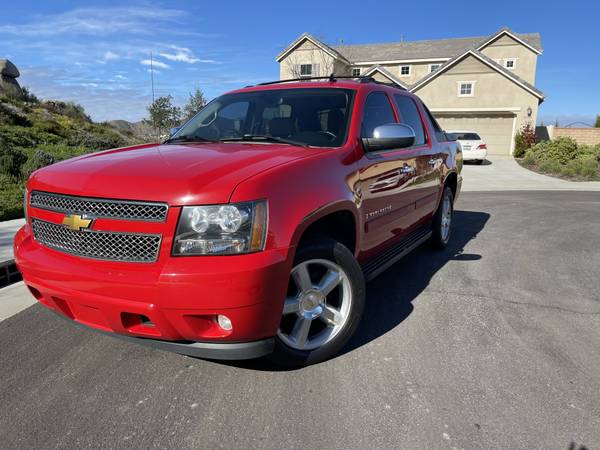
[224, 322]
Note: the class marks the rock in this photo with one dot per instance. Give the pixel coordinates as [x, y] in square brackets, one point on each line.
[8, 69]
[8, 79]
[10, 87]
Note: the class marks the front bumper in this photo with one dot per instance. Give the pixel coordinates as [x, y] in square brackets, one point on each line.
[171, 304]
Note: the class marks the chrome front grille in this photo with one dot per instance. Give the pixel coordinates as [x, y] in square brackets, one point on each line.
[106, 245]
[100, 207]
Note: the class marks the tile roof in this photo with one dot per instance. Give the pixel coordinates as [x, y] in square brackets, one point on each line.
[385, 72]
[437, 48]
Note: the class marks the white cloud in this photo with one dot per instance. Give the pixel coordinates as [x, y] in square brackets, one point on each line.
[96, 21]
[89, 84]
[110, 56]
[121, 77]
[184, 54]
[154, 63]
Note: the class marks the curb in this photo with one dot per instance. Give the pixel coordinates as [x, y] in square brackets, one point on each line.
[9, 274]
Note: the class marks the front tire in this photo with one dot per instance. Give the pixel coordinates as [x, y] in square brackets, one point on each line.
[323, 306]
[442, 220]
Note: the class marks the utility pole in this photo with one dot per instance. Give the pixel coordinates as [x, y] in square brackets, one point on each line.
[152, 83]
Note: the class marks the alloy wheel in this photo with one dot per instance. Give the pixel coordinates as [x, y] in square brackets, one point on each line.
[317, 305]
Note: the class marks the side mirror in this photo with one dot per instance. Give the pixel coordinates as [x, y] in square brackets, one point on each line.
[389, 136]
[173, 131]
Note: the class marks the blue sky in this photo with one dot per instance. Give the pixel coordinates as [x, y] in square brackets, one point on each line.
[96, 52]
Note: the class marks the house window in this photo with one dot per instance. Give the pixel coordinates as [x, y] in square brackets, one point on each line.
[404, 71]
[510, 63]
[433, 67]
[466, 88]
[356, 71]
[306, 70]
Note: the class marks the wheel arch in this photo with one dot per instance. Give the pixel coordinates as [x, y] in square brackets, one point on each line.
[338, 220]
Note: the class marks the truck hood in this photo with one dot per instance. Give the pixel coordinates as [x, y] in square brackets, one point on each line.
[182, 174]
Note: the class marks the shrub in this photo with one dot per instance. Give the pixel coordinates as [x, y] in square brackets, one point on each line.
[11, 200]
[562, 150]
[11, 160]
[69, 109]
[565, 157]
[524, 140]
[28, 96]
[529, 158]
[38, 160]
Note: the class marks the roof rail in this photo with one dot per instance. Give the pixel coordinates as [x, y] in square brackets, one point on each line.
[332, 79]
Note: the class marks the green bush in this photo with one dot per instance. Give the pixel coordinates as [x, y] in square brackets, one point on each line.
[11, 160]
[565, 157]
[11, 200]
[38, 160]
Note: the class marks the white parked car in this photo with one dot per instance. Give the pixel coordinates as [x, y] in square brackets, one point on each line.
[473, 147]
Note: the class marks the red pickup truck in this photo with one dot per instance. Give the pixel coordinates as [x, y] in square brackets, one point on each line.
[252, 230]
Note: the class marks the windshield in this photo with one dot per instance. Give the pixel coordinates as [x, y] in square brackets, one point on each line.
[305, 116]
[467, 136]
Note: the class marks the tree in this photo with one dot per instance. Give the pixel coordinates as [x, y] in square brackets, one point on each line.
[597, 124]
[164, 115]
[524, 140]
[195, 103]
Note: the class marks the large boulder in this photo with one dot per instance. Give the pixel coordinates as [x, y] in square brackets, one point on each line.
[8, 79]
[8, 69]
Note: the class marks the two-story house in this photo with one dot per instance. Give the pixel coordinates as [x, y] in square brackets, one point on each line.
[482, 84]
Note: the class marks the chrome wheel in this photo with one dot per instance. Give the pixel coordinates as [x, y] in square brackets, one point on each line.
[317, 306]
[446, 221]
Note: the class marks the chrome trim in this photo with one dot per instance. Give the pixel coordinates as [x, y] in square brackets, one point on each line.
[87, 232]
[96, 214]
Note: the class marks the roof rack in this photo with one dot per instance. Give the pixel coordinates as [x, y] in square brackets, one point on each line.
[332, 79]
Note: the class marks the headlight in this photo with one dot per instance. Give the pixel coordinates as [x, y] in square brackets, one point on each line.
[221, 229]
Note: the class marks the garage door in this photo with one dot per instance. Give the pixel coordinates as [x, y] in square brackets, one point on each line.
[495, 130]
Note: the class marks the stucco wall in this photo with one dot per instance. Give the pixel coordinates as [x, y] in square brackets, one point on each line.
[306, 53]
[417, 71]
[506, 47]
[492, 91]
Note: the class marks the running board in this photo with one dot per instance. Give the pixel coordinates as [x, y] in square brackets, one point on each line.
[383, 261]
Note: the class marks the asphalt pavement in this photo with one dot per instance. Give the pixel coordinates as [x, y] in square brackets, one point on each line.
[493, 343]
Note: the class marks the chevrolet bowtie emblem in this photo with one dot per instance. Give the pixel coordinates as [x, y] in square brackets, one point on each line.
[76, 222]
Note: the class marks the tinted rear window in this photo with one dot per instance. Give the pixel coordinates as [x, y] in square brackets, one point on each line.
[466, 136]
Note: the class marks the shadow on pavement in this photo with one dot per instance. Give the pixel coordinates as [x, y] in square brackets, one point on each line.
[390, 296]
[485, 162]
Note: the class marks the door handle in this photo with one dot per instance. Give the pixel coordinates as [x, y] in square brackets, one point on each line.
[390, 179]
[407, 169]
[432, 162]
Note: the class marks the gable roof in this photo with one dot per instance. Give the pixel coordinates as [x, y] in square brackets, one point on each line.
[430, 49]
[484, 59]
[307, 37]
[534, 45]
[386, 73]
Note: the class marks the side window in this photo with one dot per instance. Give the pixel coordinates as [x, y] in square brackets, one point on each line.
[377, 111]
[410, 116]
[439, 133]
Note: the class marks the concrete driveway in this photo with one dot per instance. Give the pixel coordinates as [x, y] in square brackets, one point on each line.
[504, 174]
[492, 343]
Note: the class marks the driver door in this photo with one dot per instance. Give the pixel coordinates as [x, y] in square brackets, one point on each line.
[386, 182]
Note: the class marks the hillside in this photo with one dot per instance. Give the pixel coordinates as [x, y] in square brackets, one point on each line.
[36, 133]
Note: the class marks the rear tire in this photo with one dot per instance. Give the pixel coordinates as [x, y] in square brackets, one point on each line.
[442, 220]
[323, 306]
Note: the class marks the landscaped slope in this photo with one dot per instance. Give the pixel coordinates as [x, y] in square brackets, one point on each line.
[34, 134]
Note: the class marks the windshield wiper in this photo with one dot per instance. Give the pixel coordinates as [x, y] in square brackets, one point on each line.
[187, 139]
[264, 138]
